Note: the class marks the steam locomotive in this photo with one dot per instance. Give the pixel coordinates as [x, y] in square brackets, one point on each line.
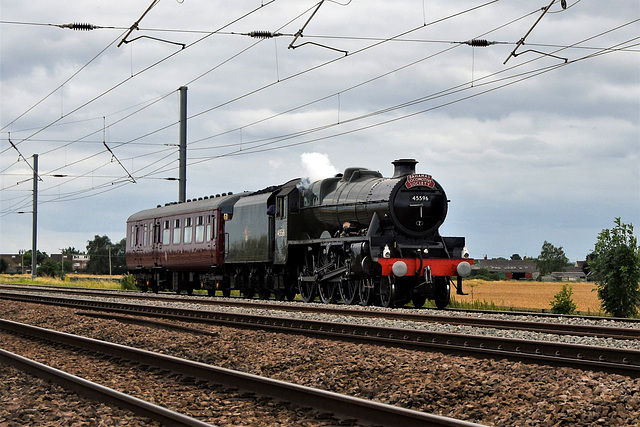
[354, 238]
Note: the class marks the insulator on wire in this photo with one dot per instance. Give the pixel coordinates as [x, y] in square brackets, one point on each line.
[479, 43]
[79, 26]
[263, 34]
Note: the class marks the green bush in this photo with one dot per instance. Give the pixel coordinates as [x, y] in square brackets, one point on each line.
[562, 302]
[49, 268]
[128, 282]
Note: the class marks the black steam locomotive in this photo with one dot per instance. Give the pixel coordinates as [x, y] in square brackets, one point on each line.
[354, 238]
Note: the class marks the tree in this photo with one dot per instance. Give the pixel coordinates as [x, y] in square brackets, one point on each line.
[118, 259]
[516, 257]
[615, 266]
[67, 266]
[42, 257]
[106, 257]
[98, 252]
[551, 259]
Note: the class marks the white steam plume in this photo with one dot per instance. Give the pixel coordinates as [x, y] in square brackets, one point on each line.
[317, 166]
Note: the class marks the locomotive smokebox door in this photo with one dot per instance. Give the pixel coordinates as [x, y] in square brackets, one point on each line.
[418, 205]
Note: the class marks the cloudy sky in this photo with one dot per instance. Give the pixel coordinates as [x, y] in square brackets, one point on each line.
[543, 147]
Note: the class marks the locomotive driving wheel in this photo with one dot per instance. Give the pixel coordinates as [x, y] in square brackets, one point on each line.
[388, 292]
[328, 292]
[366, 290]
[307, 287]
[307, 290]
[327, 261]
[442, 290]
[349, 292]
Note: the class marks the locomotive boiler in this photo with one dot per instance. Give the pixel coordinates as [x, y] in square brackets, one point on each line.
[357, 237]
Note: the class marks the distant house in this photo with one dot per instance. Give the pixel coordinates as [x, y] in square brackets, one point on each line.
[509, 269]
[571, 274]
[78, 261]
[14, 262]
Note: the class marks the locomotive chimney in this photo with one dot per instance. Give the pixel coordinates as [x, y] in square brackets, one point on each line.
[404, 167]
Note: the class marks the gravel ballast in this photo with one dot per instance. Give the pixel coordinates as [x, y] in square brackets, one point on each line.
[492, 392]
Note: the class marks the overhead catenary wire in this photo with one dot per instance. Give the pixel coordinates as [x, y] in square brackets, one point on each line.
[394, 70]
[459, 88]
[54, 91]
[208, 33]
[264, 147]
[125, 80]
[122, 82]
[200, 76]
[387, 39]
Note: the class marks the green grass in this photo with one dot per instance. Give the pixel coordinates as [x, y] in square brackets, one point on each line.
[78, 281]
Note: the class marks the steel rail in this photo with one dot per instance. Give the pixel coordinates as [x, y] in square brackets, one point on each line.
[548, 327]
[623, 361]
[342, 405]
[98, 392]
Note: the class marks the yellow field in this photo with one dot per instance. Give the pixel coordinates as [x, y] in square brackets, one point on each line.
[526, 294]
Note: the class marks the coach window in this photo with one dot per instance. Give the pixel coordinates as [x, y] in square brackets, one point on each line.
[176, 231]
[210, 227]
[132, 242]
[199, 229]
[166, 233]
[188, 230]
[144, 235]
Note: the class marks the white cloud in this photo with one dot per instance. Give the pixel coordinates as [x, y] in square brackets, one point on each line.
[554, 157]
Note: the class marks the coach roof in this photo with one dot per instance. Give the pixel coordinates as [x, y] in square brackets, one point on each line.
[224, 203]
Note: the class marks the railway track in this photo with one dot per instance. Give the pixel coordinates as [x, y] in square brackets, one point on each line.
[426, 316]
[361, 410]
[89, 389]
[621, 361]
